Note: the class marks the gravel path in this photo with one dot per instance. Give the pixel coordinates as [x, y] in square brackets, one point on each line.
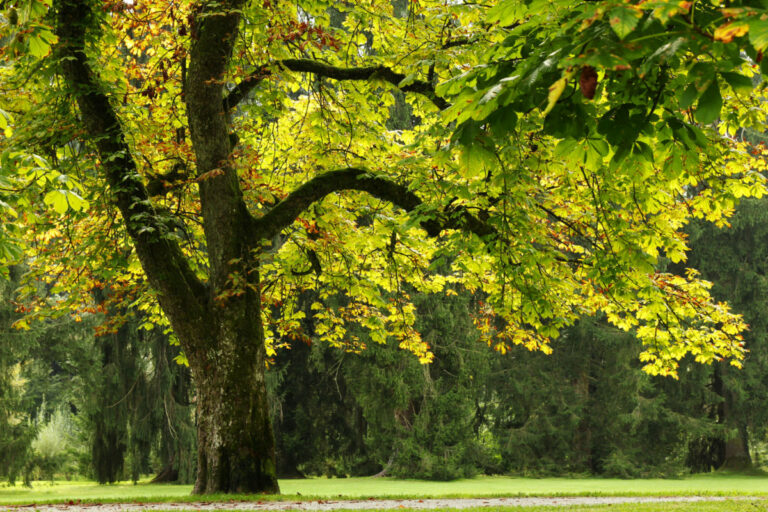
[324, 505]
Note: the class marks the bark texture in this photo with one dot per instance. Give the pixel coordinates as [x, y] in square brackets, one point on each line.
[222, 337]
[235, 440]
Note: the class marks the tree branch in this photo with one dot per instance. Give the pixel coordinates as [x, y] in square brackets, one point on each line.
[224, 214]
[161, 257]
[286, 211]
[384, 73]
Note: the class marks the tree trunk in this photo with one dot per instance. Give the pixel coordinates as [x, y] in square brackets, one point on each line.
[736, 447]
[582, 436]
[736, 453]
[235, 442]
[236, 447]
[217, 318]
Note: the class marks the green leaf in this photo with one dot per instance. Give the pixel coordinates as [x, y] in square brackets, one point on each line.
[624, 20]
[76, 202]
[758, 34]
[8, 209]
[476, 160]
[739, 83]
[506, 12]
[600, 146]
[709, 105]
[565, 147]
[502, 122]
[38, 47]
[57, 199]
[688, 96]
[409, 79]
[3, 119]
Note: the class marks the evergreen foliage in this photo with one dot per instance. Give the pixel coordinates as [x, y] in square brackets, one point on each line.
[735, 259]
[16, 433]
[139, 407]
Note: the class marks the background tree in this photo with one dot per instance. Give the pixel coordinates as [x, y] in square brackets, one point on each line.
[733, 259]
[16, 434]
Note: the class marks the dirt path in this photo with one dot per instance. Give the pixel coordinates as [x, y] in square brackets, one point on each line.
[324, 505]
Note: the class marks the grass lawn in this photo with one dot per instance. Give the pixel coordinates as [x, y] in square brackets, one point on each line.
[727, 506]
[710, 484]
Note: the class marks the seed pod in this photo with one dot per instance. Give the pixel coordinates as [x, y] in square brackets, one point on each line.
[588, 82]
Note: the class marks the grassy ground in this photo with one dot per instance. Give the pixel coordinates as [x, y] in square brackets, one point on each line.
[710, 484]
[728, 506]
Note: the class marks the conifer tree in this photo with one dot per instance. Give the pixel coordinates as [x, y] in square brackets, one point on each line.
[16, 433]
[735, 259]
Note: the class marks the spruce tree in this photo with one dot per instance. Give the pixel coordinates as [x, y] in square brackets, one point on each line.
[735, 259]
[16, 433]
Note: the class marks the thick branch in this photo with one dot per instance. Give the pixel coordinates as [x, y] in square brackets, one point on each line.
[160, 256]
[225, 216]
[287, 210]
[336, 73]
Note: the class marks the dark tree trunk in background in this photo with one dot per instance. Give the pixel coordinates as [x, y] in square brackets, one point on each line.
[582, 436]
[736, 448]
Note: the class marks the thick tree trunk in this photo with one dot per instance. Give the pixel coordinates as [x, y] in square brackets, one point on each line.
[236, 450]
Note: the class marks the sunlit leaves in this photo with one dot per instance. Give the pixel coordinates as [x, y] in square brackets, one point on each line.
[758, 33]
[637, 162]
[582, 137]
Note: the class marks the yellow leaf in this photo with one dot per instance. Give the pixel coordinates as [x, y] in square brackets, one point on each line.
[556, 90]
[727, 31]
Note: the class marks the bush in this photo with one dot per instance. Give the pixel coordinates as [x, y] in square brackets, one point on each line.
[54, 449]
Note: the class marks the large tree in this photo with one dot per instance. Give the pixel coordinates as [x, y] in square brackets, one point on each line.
[246, 146]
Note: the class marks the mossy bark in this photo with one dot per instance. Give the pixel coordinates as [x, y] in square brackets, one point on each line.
[235, 441]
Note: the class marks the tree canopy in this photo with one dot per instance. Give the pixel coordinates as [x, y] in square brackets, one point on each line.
[224, 157]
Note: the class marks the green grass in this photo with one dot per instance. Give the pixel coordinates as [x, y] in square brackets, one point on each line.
[722, 506]
[347, 488]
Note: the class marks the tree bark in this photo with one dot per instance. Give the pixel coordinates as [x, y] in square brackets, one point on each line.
[219, 327]
[736, 456]
[235, 440]
[236, 451]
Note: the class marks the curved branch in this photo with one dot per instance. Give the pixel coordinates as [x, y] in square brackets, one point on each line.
[286, 211]
[384, 73]
[161, 257]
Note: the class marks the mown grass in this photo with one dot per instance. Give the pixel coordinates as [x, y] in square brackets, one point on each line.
[720, 506]
[356, 488]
